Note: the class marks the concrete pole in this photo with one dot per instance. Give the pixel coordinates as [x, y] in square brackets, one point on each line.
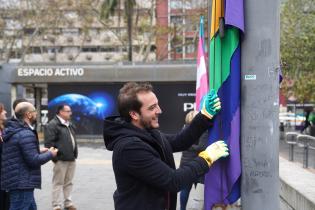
[260, 105]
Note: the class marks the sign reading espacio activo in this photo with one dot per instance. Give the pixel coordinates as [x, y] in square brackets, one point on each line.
[48, 72]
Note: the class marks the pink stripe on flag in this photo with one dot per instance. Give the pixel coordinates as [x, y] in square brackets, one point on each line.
[202, 77]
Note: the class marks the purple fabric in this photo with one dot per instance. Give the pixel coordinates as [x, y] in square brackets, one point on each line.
[221, 182]
[234, 13]
[280, 75]
[224, 173]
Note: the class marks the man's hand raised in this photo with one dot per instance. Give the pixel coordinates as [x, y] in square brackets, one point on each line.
[211, 104]
[214, 152]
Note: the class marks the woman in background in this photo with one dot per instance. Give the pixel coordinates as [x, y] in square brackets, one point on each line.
[4, 196]
[189, 155]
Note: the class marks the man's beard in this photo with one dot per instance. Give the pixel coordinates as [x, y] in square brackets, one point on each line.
[145, 124]
[34, 122]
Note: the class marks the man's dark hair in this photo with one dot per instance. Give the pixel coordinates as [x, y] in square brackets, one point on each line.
[60, 107]
[17, 101]
[21, 112]
[128, 100]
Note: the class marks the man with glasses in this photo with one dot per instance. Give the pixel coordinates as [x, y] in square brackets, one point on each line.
[22, 158]
[59, 133]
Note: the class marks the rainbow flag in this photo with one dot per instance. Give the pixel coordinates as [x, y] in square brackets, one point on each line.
[202, 77]
[222, 182]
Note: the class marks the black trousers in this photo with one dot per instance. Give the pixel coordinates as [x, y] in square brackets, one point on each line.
[4, 200]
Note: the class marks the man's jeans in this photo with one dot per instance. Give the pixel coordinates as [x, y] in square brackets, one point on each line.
[22, 200]
[184, 195]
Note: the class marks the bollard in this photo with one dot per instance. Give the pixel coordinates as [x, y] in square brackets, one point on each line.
[305, 157]
[291, 152]
[290, 138]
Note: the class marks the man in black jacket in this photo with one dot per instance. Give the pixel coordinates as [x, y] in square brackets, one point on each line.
[59, 133]
[143, 162]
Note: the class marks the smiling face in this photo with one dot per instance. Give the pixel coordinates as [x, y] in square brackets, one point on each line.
[148, 118]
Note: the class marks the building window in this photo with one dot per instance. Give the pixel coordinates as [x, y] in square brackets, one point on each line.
[70, 50]
[94, 32]
[176, 4]
[53, 49]
[153, 48]
[107, 49]
[179, 49]
[15, 54]
[176, 20]
[29, 31]
[190, 46]
[36, 50]
[190, 25]
[70, 31]
[90, 49]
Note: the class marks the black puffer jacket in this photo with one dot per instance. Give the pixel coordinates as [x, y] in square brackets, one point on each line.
[57, 135]
[144, 166]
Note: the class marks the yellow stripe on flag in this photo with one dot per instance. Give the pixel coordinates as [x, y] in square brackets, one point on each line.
[217, 12]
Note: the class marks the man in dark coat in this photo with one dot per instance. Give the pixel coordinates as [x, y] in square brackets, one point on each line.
[143, 162]
[60, 133]
[22, 158]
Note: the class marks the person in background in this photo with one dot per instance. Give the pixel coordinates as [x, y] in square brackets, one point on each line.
[306, 121]
[311, 119]
[60, 133]
[17, 101]
[22, 158]
[189, 155]
[4, 196]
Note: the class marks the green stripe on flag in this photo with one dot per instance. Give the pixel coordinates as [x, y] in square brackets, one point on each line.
[221, 52]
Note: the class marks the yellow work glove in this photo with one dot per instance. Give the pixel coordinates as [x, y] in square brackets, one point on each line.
[214, 151]
[211, 104]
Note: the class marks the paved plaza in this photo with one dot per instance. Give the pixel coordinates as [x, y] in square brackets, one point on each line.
[94, 181]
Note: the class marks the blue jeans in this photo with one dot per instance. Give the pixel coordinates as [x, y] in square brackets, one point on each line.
[184, 195]
[22, 200]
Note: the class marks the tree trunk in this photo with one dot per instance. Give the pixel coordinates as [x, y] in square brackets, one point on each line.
[129, 25]
[129, 13]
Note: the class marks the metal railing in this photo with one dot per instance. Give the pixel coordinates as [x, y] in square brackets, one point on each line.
[291, 139]
[306, 142]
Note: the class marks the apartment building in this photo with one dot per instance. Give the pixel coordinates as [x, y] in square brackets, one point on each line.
[182, 18]
[61, 31]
